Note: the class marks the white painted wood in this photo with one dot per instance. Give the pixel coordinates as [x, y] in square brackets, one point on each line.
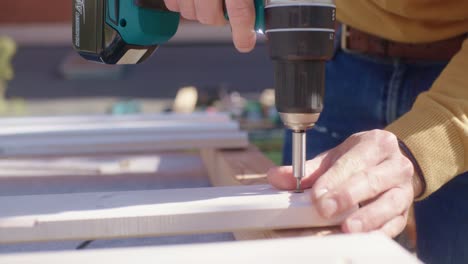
[88, 165]
[125, 143]
[340, 249]
[154, 213]
[120, 128]
[99, 119]
[119, 134]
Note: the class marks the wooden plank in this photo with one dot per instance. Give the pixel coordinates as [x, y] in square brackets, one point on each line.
[96, 165]
[236, 167]
[99, 119]
[131, 143]
[247, 167]
[153, 213]
[104, 134]
[110, 129]
[101, 173]
[357, 249]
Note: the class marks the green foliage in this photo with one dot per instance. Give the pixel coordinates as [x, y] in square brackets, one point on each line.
[7, 51]
[270, 142]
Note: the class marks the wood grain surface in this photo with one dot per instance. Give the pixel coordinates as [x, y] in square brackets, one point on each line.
[154, 213]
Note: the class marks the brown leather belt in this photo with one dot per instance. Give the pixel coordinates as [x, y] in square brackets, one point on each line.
[356, 41]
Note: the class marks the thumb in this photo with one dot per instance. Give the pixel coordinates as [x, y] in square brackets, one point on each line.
[283, 178]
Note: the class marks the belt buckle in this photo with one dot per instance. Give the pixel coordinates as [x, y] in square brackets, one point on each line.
[344, 38]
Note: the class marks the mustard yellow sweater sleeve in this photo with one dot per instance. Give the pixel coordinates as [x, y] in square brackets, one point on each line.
[436, 128]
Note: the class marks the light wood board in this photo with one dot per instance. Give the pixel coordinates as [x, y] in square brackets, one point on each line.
[248, 167]
[153, 213]
[101, 173]
[100, 119]
[340, 249]
[121, 134]
[121, 128]
[131, 143]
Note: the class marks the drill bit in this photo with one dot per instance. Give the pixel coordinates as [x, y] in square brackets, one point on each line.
[299, 157]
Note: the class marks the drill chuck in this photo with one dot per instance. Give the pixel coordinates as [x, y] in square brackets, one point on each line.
[301, 36]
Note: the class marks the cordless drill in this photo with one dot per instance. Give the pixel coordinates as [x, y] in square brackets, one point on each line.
[300, 37]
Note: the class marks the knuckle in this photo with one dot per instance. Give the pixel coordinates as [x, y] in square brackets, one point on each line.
[354, 138]
[405, 216]
[338, 171]
[241, 10]
[374, 133]
[374, 183]
[396, 201]
[347, 162]
[172, 5]
[370, 222]
[396, 227]
[410, 196]
[209, 12]
[406, 166]
[345, 199]
[386, 140]
[187, 9]
[402, 221]
[389, 136]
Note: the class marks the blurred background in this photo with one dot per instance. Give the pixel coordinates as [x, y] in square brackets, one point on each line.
[40, 74]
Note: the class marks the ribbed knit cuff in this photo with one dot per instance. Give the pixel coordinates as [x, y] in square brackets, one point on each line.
[431, 137]
[418, 177]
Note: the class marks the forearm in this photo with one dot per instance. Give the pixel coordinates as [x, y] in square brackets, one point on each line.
[436, 129]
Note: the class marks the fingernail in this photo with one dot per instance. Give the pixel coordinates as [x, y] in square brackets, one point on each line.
[319, 193]
[355, 226]
[329, 207]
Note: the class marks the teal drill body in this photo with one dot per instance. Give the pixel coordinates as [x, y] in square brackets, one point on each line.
[136, 24]
[127, 31]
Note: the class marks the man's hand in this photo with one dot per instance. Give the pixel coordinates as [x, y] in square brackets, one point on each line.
[369, 170]
[241, 16]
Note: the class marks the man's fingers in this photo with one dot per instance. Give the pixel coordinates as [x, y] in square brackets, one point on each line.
[242, 18]
[357, 153]
[210, 12]
[283, 178]
[375, 215]
[241, 15]
[368, 184]
[187, 9]
[395, 226]
[172, 5]
[317, 167]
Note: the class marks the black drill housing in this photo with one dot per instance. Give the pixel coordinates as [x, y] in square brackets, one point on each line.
[301, 39]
